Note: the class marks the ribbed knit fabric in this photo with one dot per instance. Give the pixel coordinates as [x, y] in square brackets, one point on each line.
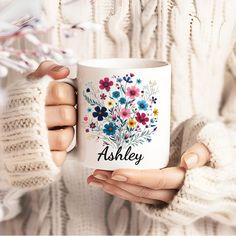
[206, 190]
[197, 37]
[24, 139]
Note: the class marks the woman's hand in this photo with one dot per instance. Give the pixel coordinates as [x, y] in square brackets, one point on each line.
[150, 186]
[59, 110]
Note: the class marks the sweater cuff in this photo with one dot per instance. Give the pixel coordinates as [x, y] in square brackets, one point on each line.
[10, 203]
[24, 136]
[213, 134]
[206, 192]
[203, 187]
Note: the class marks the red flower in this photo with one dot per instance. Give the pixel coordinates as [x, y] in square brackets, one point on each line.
[141, 118]
[103, 96]
[92, 125]
[105, 84]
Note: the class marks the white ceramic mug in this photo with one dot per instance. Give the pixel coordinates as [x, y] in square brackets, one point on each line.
[123, 113]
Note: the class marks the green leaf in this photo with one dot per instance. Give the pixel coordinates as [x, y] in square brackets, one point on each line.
[91, 101]
[139, 138]
[122, 88]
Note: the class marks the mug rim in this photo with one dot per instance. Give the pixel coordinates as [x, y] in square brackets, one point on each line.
[125, 63]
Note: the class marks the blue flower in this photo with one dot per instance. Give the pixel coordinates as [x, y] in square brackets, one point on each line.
[115, 94]
[139, 81]
[122, 100]
[109, 129]
[119, 80]
[100, 113]
[142, 105]
[152, 120]
[89, 109]
[127, 79]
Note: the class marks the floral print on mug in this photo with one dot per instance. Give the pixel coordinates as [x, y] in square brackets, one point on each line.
[121, 111]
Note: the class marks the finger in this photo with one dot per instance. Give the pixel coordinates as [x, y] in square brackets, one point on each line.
[116, 191]
[50, 68]
[59, 140]
[196, 156]
[102, 174]
[140, 191]
[58, 157]
[167, 178]
[63, 115]
[60, 94]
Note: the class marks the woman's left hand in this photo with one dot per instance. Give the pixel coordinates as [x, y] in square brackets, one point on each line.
[152, 185]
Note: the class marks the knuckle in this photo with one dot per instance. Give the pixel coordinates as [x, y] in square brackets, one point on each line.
[66, 114]
[45, 62]
[44, 65]
[61, 141]
[58, 92]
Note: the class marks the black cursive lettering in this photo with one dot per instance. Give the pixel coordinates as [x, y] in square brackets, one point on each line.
[128, 156]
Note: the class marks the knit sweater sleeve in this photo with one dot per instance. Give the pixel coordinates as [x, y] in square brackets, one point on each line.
[210, 190]
[26, 162]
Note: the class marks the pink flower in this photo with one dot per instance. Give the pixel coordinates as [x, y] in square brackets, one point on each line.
[132, 92]
[114, 117]
[85, 118]
[125, 113]
[105, 84]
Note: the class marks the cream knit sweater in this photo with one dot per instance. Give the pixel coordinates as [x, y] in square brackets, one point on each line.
[197, 37]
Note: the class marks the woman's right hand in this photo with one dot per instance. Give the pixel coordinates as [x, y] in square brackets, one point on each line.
[60, 111]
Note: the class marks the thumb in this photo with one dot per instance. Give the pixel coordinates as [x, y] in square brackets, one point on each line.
[196, 156]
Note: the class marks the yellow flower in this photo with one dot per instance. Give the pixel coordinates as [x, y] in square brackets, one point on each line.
[110, 103]
[155, 112]
[131, 123]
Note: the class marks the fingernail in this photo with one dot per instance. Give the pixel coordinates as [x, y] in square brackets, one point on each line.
[119, 178]
[57, 68]
[101, 177]
[95, 184]
[191, 160]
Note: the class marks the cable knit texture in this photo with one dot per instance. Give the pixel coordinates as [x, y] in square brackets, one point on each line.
[197, 37]
[24, 142]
